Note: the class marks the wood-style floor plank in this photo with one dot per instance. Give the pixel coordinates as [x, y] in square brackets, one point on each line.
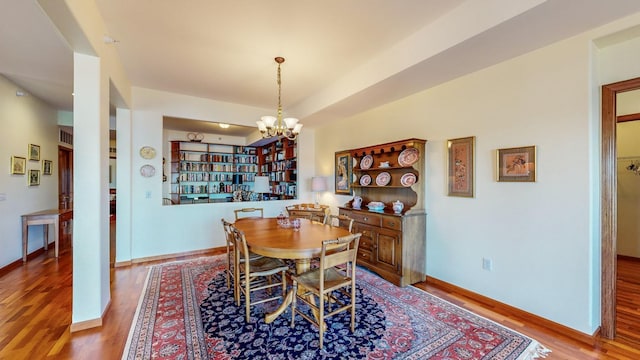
[35, 315]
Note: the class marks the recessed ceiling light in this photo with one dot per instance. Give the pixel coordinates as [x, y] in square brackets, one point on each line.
[224, 126]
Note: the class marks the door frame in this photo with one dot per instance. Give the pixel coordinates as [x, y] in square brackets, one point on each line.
[609, 203]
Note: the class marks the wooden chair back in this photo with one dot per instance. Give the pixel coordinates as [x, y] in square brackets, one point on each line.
[249, 212]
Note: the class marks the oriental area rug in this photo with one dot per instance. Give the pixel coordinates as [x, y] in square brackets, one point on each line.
[186, 311]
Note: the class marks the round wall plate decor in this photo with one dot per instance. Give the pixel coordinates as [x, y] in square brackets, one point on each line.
[408, 157]
[365, 180]
[366, 162]
[408, 179]
[147, 170]
[147, 152]
[383, 178]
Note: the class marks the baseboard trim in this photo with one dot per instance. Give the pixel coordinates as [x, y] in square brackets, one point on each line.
[217, 250]
[89, 324]
[18, 263]
[503, 308]
[123, 264]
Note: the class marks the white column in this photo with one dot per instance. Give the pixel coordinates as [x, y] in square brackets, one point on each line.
[91, 192]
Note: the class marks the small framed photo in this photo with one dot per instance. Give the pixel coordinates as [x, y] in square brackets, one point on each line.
[343, 173]
[34, 152]
[517, 164]
[46, 167]
[18, 165]
[34, 177]
[461, 166]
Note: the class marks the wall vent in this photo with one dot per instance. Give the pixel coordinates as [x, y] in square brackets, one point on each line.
[65, 137]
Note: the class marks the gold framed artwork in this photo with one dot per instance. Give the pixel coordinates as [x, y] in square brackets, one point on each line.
[46, 167]
[343, 173]
[517, 164]
[18, 165]
[461, 166]
[34, 152]
[34, 177]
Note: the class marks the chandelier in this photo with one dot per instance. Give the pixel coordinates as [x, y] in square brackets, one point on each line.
[272, 126]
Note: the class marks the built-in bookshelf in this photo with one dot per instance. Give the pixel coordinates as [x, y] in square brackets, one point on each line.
[209, 173]
[203, 172]
[278, 161]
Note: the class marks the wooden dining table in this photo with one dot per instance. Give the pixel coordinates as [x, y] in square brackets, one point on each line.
[266, 237]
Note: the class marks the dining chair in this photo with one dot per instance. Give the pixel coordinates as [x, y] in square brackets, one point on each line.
[249, 212]
[232, 265]
[316, 286]
[342, 221]
[318, 217]
[257, 275]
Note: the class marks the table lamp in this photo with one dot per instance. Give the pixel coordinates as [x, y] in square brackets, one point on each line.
[318, 184]
[261, 186]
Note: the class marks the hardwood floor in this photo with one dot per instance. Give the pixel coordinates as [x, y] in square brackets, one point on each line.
[35, 315]
[628, 300]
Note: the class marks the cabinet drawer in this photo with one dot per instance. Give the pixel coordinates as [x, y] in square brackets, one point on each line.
[392, 222]
[346, 213]
[366, 242]
[364, 218]
[364, 255]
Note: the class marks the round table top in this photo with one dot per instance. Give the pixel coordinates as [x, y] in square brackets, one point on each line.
[265, 237]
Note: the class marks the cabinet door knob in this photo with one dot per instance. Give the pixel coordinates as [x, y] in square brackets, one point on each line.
[365, 218]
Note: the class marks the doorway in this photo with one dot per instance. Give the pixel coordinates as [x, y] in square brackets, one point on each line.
[609, 214]
[65, 191]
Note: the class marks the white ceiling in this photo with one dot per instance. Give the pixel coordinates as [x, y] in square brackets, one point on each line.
[342, 57]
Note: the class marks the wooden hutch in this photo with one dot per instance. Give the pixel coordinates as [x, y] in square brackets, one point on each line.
[392, 244]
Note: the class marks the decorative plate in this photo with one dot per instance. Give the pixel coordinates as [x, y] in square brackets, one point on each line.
[366, 162]
[365, 180]
[408, 157]
[147, 152]
[408, 179]
[147, 170]
[383, 178]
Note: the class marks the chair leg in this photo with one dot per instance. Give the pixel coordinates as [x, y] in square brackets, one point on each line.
[247, 298]
[321, 320]
[294, 289]
[353, 307]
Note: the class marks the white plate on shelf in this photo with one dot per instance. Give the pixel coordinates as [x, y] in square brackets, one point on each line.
[408, 157]
[408, 179]
[383, 178]
[365, 180]
[366, 162]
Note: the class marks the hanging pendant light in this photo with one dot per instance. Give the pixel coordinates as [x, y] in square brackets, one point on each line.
[276, 126]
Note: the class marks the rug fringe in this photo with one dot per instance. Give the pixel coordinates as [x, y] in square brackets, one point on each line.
[535, 351]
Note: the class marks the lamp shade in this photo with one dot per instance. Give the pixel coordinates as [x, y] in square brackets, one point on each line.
[318, 183]
[261, 184]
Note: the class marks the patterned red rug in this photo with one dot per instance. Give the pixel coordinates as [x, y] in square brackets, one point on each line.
[187, 312]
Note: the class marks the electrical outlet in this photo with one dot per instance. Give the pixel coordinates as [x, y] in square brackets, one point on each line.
[147, 194]
[487, 264]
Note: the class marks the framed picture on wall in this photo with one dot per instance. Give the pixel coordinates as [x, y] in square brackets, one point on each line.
[461, 166]
[34, 152]
[34, 177]
[18, 165]
[343, 173]
[517, 164]
[46, 167]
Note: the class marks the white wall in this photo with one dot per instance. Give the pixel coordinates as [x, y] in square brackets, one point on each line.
[24, 120]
